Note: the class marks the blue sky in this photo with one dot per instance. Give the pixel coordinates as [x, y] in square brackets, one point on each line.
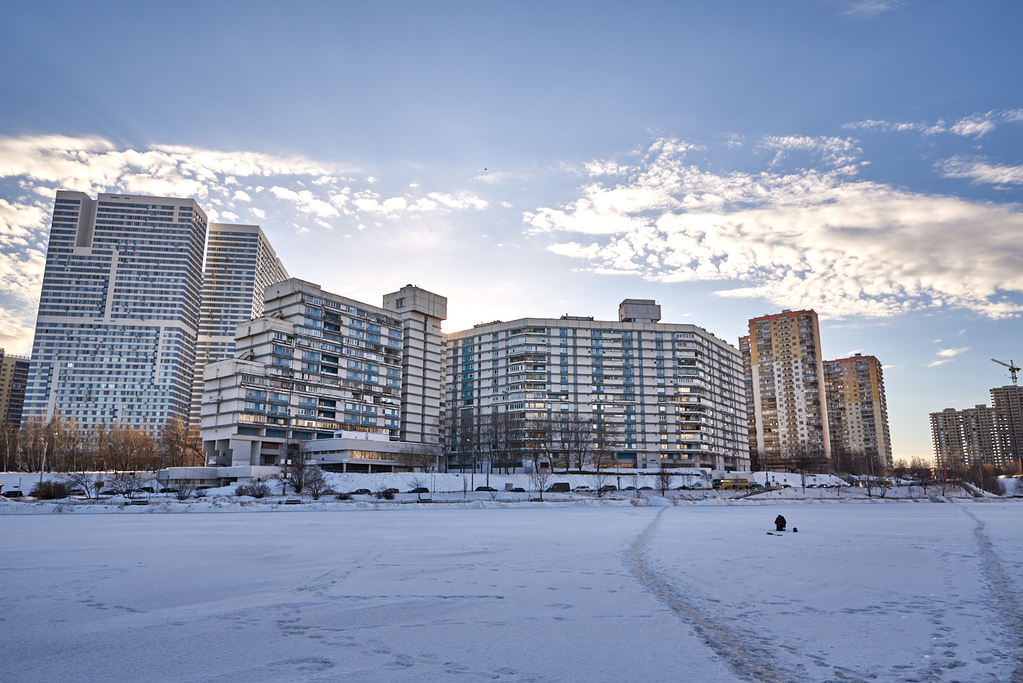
[730, 159]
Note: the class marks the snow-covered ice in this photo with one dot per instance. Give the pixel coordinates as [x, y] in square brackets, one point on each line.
[880, 591]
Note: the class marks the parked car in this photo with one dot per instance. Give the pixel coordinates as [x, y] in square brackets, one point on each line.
[582, 489]
[559, 487]
[485, 488]
[421, 489]
[361, 492]
[518, 489]
[391, 490]
[646, 488]
[606, 488]
[15, 493]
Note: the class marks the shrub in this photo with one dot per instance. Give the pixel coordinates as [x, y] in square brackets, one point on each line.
[257, 490]
[49, 490]
[184, 493]
[344, 496]
[200, 493]
[386, 494]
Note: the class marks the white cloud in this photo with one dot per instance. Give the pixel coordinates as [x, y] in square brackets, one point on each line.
[981, 171]
[463, 200]
[975, 125]
[825, 240]
[869, 9]
[306, 202]
[834, 151]
[946, 356]
[41, 164]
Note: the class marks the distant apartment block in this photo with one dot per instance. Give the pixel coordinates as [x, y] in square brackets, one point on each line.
[1007, 403]
[980, 435]
[240, 264]
[785, 384]
[673, 392]
[116, 329]
[857, 411]
[13, 380]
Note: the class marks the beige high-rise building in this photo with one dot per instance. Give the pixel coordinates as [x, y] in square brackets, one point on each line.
[13, 379]
[422, 362]
[785, 373]
[857, 412]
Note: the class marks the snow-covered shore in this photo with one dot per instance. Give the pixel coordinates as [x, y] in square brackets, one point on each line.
[485, 590]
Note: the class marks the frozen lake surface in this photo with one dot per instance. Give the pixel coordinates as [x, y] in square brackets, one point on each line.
[863, 592]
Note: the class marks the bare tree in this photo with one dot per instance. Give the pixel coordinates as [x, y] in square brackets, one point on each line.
[293, 470]
[421, 456]
[9, 434]
[33, 444]
[574, 435]
[127, 484]
[922, 471]
[314, 481]
[665, 477]
[540, 476]
[89, 482]
[180, 445]
[418, 484]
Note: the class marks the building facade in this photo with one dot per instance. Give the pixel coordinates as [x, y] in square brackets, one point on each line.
[240, 264]
[672, 392]
[857, 411]
[422, 362]
[980, 435]
[13, 380]
[314, 364]
[116, 329]
[785, 373]
[1007, 403]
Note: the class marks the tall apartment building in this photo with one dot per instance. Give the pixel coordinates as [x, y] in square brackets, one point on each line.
[963, 438]
[786, 374]
[116, 329]
[314, 364]
[13, 380]
[980, 435]
[422, 362]
[857, 411]
[673, 391]
[240, 264]
[1007, 403]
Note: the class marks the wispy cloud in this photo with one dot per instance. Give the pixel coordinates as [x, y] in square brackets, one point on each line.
[820, 239]
[980, 171]
[867, 9]
[834, 151]
[946, 356]
[975, 125]
[303, 193]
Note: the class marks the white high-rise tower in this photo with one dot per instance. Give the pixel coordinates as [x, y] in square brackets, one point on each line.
[116, 329]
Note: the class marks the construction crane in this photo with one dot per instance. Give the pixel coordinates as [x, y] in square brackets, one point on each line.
[1012, 368]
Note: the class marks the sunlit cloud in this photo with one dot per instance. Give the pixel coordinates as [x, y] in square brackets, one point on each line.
[820, 239]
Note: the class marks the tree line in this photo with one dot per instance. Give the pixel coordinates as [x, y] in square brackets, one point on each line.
[63, 445]
[502, 441]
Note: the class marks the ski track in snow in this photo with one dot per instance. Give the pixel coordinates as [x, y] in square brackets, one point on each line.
[1005, 597]
[748, 662]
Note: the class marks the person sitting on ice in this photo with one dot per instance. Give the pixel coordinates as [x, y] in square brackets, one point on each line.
[779, 523]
